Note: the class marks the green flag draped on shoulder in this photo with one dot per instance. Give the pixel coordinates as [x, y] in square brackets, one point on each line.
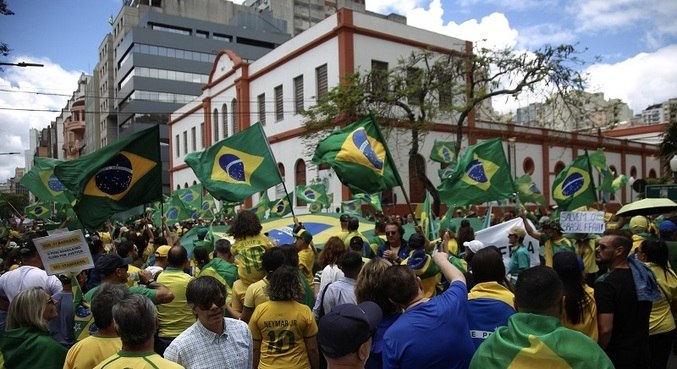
[443, 152]
[573, 186]
[42, 182]
[360, 157]
[314, 193]
[236, 167]
[115, 178]
[481, 175]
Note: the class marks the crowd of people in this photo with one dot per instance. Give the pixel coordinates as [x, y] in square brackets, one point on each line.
[385, 300]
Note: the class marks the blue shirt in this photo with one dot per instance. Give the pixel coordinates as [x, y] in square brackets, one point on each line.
[433, 334]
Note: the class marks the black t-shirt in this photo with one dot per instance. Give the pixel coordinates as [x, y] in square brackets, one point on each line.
[629, 345]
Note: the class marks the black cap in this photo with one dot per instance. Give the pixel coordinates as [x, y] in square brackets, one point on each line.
[107, 263]
[344, 218]
[348, 326]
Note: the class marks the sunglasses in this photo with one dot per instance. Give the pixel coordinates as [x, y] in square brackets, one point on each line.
[208, 305]
[391, 233]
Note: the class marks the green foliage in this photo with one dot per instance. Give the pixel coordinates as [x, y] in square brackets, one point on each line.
[17, 200]
[668, 147]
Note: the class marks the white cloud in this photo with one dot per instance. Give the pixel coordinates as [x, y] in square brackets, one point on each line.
[643, 80]
[25, 88]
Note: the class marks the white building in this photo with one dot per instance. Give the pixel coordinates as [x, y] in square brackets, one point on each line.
[275, 87]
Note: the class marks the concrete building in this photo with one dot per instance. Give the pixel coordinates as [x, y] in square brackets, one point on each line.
[276, 87]
[303, 14]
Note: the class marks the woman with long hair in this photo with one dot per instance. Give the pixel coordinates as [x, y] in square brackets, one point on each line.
[283, 329]
[654, 253]
[329, 257]
[465, 233]
[580, 310]
[27, 342]
[369, 288]
[490, 301]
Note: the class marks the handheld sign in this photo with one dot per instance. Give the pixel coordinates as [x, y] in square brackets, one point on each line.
[582, 221]
[64, 252]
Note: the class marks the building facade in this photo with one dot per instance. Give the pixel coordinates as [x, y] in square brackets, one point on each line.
[275, 88]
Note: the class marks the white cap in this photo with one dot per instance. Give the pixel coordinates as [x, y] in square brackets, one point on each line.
[474, 245]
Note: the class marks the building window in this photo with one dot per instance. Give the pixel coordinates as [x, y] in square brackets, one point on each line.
[321, 81]
[193, 138]
[279, 104]
[559, 166]
[300, 176]
[528, 166]
[177, 144]
[202, 135]
[235, 120]
[224, 118]
[215, 123]
[298, 94]
[379, 77]
[261, 99]
[417, 188]
[185, 142]
[201, 34]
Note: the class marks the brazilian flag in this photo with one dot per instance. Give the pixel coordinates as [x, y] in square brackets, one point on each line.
[352, 207]
[236, 167]
[373, 199]
[38, 210]
[528, 191]
[42, 182]
[262, 206]
[573, 186]
[315, 208]
[443, 152]
[208, 206]
[427, 218]
[360, 156]
[314, 193]
[281, 206]
[175, 210]
[122, 175]
[610, 182]
[481, 175]
[191, 197]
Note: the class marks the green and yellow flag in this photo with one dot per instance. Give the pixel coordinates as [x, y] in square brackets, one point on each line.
[610, 181]
[191, 197]
[281, 206]
[236, 167]
[373, 199]
[573, 186]
[352, 207]
[208, 206]
[360, 157]
[428, 219]
[42, 182]
[528, 191]
[115, 178]
[39, 210]
[443, 152]
[314, 193]
[314, 207]
[481, 175]
[262, 206]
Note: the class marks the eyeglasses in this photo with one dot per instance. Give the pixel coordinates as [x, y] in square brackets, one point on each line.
[391, 233]
[208, 305]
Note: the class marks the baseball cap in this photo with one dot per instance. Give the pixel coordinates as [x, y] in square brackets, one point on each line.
[28, 247]
[344, 218]
[639, 223]
[474, 245]
[518, 231]
[346, 327]
[162, 251]
[107, 263]
[304, 235]
[667, 226]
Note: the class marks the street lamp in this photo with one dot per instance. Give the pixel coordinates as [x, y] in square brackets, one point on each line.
[673, 168]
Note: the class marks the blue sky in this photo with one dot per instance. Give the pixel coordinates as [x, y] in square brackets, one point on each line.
[635, 42]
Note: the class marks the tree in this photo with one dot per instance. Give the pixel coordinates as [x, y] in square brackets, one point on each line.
[4, 48]
[668, 147]
[428, 87]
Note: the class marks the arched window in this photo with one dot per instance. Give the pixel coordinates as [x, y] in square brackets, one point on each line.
[215, 123]
[559, 166]
[528, 165]
[299, 176]
[613, 170]
[224, 119]
[416, 186]
[178, 186]
[633, 172]
[652, 173]
[235, 121]
[185, 185]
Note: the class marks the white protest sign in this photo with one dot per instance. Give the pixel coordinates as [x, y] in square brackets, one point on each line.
[498, 236]
[582, 221]
[64, 252]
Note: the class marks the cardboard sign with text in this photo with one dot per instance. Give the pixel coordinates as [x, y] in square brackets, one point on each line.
[64, 252]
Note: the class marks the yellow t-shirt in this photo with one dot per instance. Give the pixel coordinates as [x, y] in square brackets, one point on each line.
[589, 324]
[586, 250]
[239, 290]
[247, 252]
[349, 235]
[91, 351]
[132, 275]
[306, 262]
[283, 326]
[661, 319]
[125, 360]
[175, 316]
[256, 294]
